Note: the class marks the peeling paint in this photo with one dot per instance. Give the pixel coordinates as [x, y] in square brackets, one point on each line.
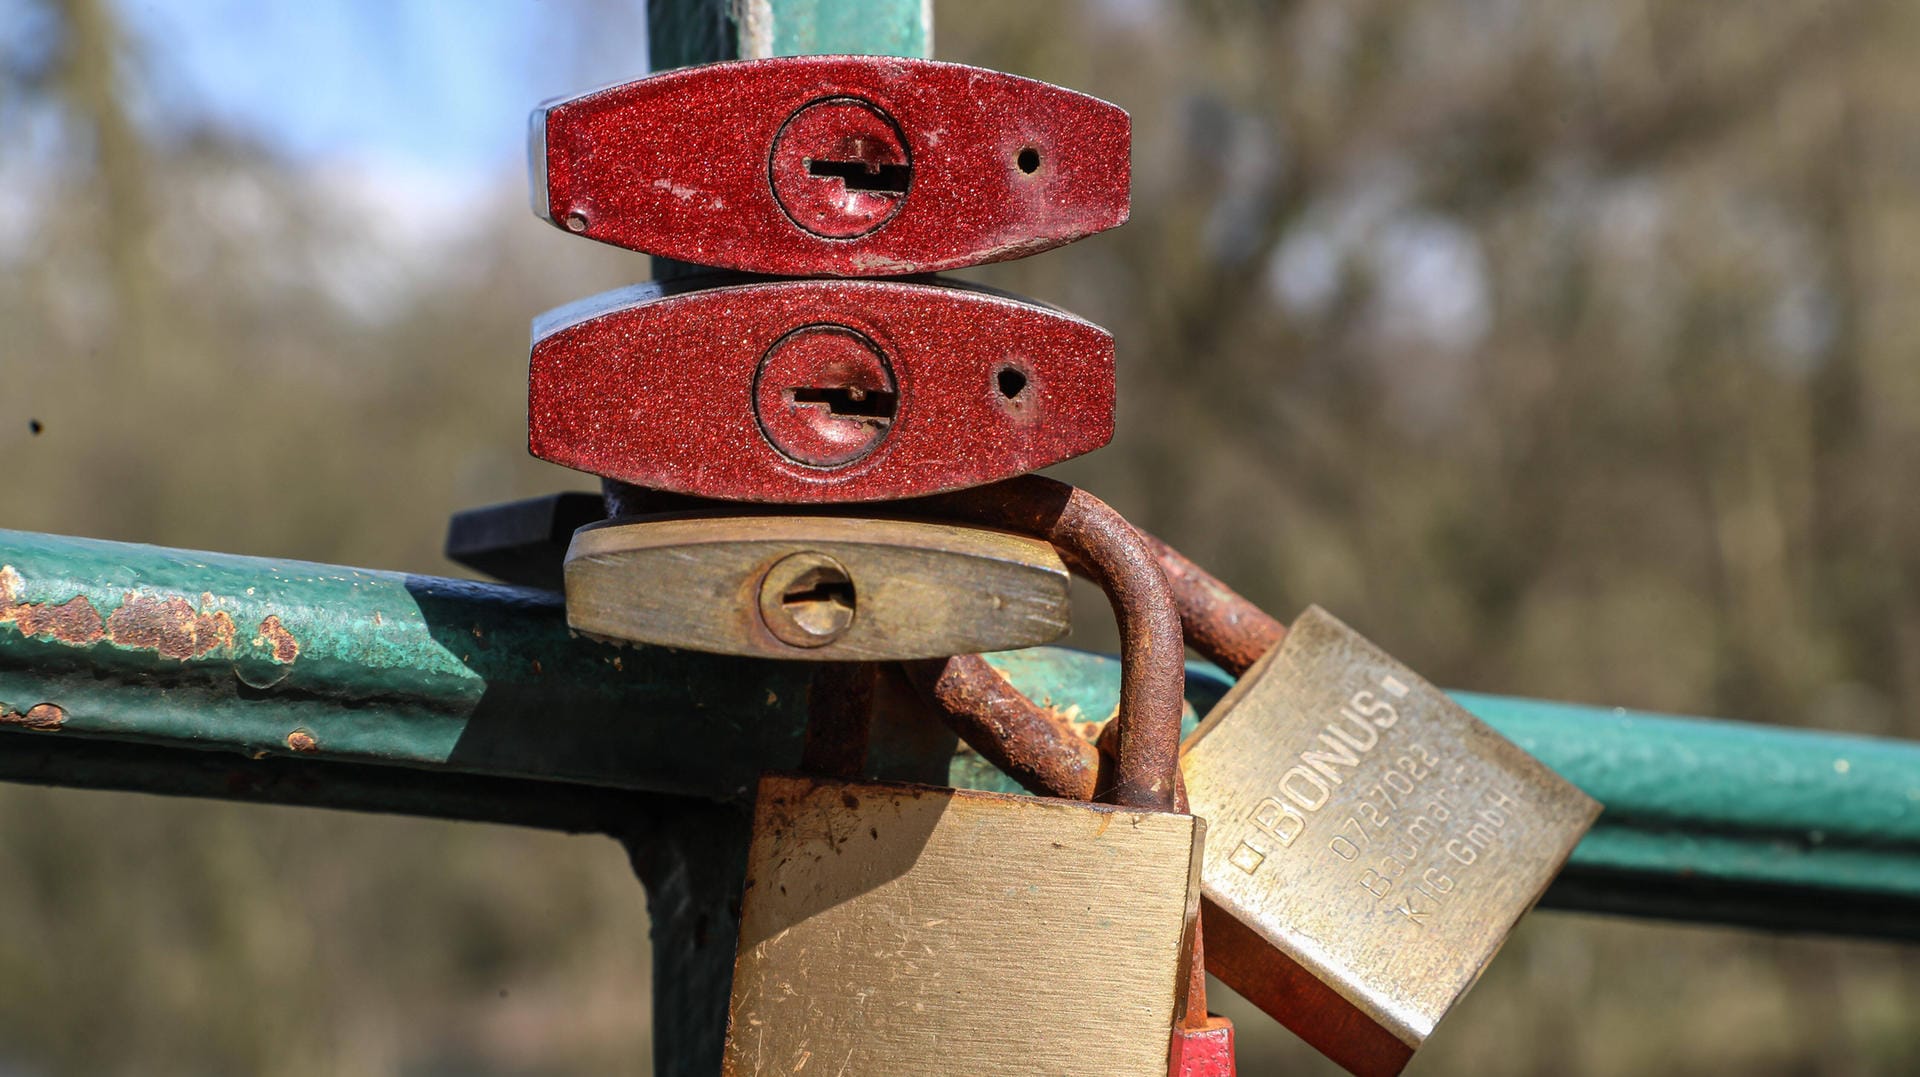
[42, 716]
[302, 741]
[274, 636]
[74, 621]
[169, 626]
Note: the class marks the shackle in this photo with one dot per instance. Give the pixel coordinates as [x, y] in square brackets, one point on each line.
[1106, 549]
[1036, 747]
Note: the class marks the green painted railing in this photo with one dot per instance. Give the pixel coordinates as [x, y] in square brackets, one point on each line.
[495, 710]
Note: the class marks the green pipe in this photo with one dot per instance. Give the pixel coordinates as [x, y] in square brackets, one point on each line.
[263, 658]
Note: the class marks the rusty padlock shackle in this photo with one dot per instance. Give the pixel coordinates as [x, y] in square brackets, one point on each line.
[1102, 546]
[1216, 621]
[1037, 748]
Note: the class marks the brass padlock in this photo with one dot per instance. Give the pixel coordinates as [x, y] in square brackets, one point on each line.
[895, 929]
[1374, 843]
[814, 587]
[1371, 843]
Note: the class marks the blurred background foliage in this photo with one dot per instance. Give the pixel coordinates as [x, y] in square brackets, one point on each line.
[1566, 347]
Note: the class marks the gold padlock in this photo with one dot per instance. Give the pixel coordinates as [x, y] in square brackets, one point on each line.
[897, 929]
[1373, 844]
[820, 588]
[893, 929]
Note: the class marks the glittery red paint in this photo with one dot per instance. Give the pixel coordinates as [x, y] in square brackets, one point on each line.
[890, 166]
[660, 390]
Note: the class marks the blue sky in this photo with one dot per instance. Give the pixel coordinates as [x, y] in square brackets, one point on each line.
[419, 85]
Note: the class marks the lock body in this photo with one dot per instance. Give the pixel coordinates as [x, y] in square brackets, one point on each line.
[816, 390]
[815, 588]
[892, 929]
[832, 165]
[1372, 843]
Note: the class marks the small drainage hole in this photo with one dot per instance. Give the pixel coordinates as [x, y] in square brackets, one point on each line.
[1011, 382]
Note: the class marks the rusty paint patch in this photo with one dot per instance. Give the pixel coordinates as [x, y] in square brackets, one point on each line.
[42, 716]
[169, 626]
[275, 636]
[302, 741]
[74, 621]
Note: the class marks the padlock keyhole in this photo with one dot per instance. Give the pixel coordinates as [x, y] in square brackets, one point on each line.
[864, 175]
[826, 593]
[849, 401]
[807, 599]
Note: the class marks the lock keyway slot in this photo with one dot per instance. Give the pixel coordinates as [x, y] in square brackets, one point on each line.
[847, 401]
[864, 176]
[837, 594]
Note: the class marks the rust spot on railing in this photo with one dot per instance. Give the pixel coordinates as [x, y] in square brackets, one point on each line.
[275, 636]
[169, 626]
[74, 621]
[42, 716]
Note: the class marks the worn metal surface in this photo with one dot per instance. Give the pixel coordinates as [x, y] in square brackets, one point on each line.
[1218, 623]
[908, 929]
[1039, 749]
[821, 588]
[660, 388]
[1372, 846]
[921, 166]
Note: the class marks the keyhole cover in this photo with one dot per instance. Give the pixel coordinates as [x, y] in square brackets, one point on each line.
[824, 396]
[840, 168]
[807, 599]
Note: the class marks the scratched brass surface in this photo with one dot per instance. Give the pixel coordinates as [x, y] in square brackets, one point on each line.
[898, 929]
[1372, 844]
[919, 590]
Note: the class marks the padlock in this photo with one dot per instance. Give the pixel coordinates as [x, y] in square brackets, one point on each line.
[1350, 803]
[815, 390]
[1357, 918]
[1048, 757]
[1375, 844]
[892, 929]
[814, 587]
[858, 166]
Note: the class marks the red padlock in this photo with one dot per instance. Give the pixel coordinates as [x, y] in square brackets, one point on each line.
[816, 390]
[859, 166]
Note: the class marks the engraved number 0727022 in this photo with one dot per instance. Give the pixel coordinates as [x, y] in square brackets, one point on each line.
[1370, 817]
